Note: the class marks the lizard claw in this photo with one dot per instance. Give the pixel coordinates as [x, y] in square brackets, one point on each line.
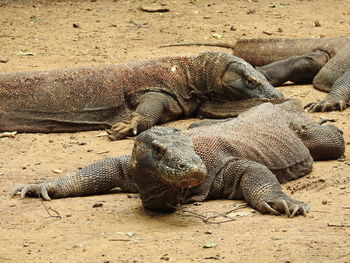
[286, 206]
[326, 105]
[266, 208]
[120, 130]
[30, 190]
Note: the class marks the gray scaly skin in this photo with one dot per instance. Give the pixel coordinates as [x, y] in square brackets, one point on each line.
[127, 98]
[241, 158]
[325, 62]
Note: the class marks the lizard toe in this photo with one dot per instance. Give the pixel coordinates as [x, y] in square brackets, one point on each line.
[328, 106]
[31, 190]
[265, 208]
[121, 130]
[311, 107]
[342, 105]
[325, 106]
[16, 190]
[287, 206]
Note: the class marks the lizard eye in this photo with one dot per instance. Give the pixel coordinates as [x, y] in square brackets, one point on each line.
[181, 166]
[251, 82]
[159, 151]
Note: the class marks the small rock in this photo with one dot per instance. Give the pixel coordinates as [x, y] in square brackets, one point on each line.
[324, 202]
[209, 245]
[25, 244]
[76, 25]
[216, 36]
[165, 257]
[154, 9]
[267, 33]
[97, 205]
[317, 23]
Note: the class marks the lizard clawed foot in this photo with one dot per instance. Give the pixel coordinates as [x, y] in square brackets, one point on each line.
[31, 190]
[286, 206]
[124, 129]
[326, 105]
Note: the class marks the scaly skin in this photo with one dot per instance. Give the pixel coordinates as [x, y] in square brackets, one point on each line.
[320, 61]
[126, 98]
[242, 158]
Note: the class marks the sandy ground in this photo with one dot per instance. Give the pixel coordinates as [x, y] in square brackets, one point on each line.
[120, 230]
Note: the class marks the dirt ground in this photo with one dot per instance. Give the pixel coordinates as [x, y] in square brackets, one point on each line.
[38, 35]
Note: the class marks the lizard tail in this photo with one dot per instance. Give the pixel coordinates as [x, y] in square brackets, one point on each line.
[211, 44]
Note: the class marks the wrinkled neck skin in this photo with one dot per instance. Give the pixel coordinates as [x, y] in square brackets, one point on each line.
[209, 67]
[294, 112]
[324, 142]
[156, 195]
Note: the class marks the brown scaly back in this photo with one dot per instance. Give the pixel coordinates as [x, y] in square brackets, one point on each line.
[260, 52]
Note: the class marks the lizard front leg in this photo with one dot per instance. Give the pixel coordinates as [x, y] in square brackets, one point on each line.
[337, 98]
[259, 187]
[93, 179]
[155, 107]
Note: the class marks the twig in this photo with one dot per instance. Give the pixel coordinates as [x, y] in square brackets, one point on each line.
[8, 134]
[118, 239]
[210, 219]
[337, 225]
[51, 209]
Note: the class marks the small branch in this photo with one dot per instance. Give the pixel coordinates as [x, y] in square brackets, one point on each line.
[8, 134]
[337, 225]
[118, 239]
[51, 209]
[211, 219]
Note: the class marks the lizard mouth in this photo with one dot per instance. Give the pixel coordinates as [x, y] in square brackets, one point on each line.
[195, 180]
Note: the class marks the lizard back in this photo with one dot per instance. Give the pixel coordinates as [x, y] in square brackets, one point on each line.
[262, 135]
[270, 50]
[89, 97]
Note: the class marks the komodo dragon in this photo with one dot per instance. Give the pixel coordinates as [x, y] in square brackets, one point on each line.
[240, 158]
[133, 96]
[324, 61]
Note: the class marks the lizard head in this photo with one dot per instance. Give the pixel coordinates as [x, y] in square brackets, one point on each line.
[243, 81]
[168, 157]
[325, 142]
